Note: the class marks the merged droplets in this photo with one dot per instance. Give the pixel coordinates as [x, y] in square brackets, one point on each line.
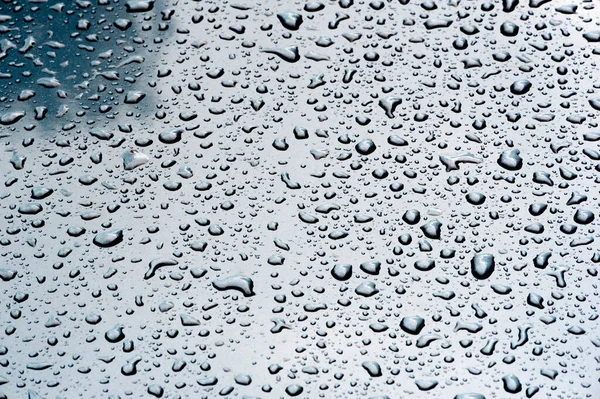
[511, 159]
[242, 284]
[289, 54]
[115, 334]
[290, 20]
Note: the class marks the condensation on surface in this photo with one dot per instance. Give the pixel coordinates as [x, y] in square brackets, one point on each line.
[385, 199]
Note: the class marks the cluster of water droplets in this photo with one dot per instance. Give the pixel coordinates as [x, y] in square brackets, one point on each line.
[383, 199]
